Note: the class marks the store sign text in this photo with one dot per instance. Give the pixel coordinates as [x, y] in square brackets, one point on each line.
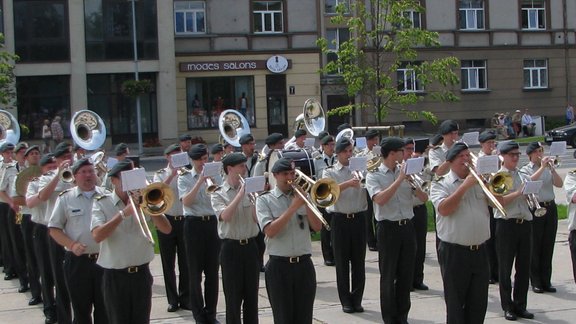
[223, 66]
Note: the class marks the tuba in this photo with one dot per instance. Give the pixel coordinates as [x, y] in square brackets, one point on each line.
[232, 125]
[22, 180]
[312, 118]
[9, 128]
[345, 133]
[88, 130]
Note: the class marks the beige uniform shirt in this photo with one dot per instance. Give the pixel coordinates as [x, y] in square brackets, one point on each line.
[61, 186]
[38, 213]
[322, 162]
[546, 192]
[570, 188]
[7, 178]
[243, 224]
[351, 200]
[202, 205]
[437, 156]
[160, 176]
[400, 205]
[518, 208]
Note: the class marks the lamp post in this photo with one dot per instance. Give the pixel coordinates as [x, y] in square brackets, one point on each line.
[136, 76]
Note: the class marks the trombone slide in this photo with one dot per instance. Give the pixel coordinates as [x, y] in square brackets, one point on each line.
[312, 207]
[487, 192]
[140, 219]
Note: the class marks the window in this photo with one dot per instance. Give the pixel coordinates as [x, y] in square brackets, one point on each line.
[206, 98]
[407, 79]
[471, 14]
[108, 29]
[533, 14]
[335, 37]
[267, 16]
[189, 17]
[414, 17]
[41, 31]
[535, 74]
[330, 5]
[473, 74]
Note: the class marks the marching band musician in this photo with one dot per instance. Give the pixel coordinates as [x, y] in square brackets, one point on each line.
[392, 197]
[543, 228]
[348, 229]
[463, 223]
[420, 221]
[121, 152]
[185, 142]
[228, 148]
[41, 239]
[5, 218]
[125, 253]
[487, 141]
[217, 152]
[202, 244]
[513, 238]
[79, 152]
[286, 221]
[570, 188]
[50, 186]
[172, 244]
[449, 131]
[238, 228]
[299, 138]
[69, 226]
[247, 145]
[322, 162]
[372, 139]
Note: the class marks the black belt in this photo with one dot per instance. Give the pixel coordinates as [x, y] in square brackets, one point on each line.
[473, 248]
[293, 259]
[176, 218]
[348, 216]
[201, 218]
[401, 222]
[518, 221]
[241, 242]
[91, 256]
[546, 203]
[133, 269]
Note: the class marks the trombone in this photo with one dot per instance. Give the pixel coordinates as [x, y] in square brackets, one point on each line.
[499, 184]
[153, 200]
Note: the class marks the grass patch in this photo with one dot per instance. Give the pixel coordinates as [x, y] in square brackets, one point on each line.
[529, 139]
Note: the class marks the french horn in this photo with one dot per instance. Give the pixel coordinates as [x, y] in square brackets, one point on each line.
[232, 125]
[88, 130]
[9, 128]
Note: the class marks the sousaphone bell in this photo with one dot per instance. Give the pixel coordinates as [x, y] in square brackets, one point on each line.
[9, 128]
[88, 130]
[232, 125]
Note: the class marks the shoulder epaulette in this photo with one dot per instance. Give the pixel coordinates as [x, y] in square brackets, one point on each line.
[318, 157]
[329, 167]
[161, 171]
[437, 179]
[263, 193]
[100, 196]
[65, 191]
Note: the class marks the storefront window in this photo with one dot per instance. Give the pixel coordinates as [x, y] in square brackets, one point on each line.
[206, 98]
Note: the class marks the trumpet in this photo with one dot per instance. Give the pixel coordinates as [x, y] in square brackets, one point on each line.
[416, 181]
[211, 187]
[253, 195]
[66, 175]
[553, 163]
[153, 200]
[371, 166]
[534, 205]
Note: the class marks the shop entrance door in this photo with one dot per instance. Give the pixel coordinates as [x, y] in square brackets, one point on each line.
[276, 104]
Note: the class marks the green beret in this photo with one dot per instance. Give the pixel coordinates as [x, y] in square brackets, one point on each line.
[409, 140]
[30, 149]
[61, 149]
[273, 139]
[197, 151]
[448, 126]
[299, 132]
[326, 139]
[123, 165]
[6, 146]
[507, 146]
[436, 140]
[20, 146]
[486, 135]
[342, 144]
[216, 148]
[389, 144]
[456, 149]
[233, 159]
[172, 148]
[120, 149]
[343, 127]
[46, 158]
[184, 137]
[533, 147]
[245, 139]
[322, 134]
[80, 163]
[283, 164]
[371, 133]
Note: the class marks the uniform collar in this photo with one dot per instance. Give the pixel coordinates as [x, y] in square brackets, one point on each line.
[452, 177]
[278, 193]
[338, 166]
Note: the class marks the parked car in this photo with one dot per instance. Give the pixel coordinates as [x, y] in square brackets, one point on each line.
[563, 133]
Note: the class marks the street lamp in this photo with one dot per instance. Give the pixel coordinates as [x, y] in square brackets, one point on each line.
[136, 76]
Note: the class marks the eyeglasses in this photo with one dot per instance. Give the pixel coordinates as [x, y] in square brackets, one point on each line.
[301, 221]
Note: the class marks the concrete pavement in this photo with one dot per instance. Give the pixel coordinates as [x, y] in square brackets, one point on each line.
[427, 306]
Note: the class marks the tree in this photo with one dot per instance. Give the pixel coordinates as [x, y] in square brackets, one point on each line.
[385, 46]
[7, 78]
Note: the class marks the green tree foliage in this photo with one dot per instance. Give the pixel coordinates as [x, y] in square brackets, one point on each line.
[382, 40]
[7, 78]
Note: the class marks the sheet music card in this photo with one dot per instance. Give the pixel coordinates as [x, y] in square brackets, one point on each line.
[358, 163]
[557, 148]
[487, 164]
[470, 138]
[532, 187]
[179, 160]
[414, 165]
[309, 141]
[111, 162]
[361, 142]
[254, 184]
[377, 150]
[212, 169]
[133, 179]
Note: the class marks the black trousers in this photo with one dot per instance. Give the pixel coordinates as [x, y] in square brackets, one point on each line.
[42, 250]
[261, 247]
[543, 238]
[240, 280]
[18, 251]
[291, 289]
[172, 244]
[572, 244]
[84, 280]
[465, 274]
[27, 228]
[420, 221]
[6, 243]
[396, 254]
[63, 307]
[127, 295]
[370, 223]
[349, 243]
[491, 246]
[513, 242]
[202, 252]
[326, 237]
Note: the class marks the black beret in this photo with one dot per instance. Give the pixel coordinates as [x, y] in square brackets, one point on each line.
[343, 127]
[184, 137]
[327, 139]
[171, 148]
[486, 135]
[456, 149]
[507, 146]
[80, 163]
[61, 149]
[322, 134]
[245, 139]
[6, 146]
[389, 144]
[533, 147]
[233, 159]
[371, 133]
[20, 146]
[121, 149]
[342, 144]
[299, 132]
[216, 148]
[283, 164]
[273, 138]
[409, 140]
[197, 151]
[123, 165]
[46, 158]
[31, 148]
[448, 126]
[436, 140]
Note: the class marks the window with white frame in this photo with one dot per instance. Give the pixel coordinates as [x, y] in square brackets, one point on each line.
[267, 16]
[330, 5]
[414, 17]
[407, 79]
[189, 17]
[471, 14]
[535, 74]
[335, 37]
[533, 14]
[473, 74]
